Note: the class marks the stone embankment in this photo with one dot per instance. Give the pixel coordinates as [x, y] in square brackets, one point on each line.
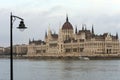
[66, 57]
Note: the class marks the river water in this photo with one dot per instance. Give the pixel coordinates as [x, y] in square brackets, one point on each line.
[61, 69]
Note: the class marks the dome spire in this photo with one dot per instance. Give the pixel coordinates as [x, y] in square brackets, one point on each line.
[67, 18]
[67, 24]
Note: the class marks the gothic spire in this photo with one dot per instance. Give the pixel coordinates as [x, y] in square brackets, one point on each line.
[116, 35]
[67, 18]
[76, 30]
[92, 29]
[82, 26]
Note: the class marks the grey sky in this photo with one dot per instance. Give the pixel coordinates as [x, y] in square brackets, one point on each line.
[41, 14]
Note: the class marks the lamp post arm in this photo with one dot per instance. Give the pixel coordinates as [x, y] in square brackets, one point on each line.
[12, 16]
[17, 17]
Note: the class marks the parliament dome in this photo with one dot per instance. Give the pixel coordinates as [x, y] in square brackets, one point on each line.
[67, 25]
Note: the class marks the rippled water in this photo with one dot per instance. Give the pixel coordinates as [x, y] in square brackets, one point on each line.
[61, 70]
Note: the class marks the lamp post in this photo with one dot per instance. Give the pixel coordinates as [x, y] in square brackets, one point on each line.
[21, 26]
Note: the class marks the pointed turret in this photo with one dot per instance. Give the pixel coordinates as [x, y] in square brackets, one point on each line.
[92, 29]
[116, 35]
[82, 26]
[76, 30]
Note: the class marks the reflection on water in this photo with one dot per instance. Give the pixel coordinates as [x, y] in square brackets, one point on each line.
[61, 70]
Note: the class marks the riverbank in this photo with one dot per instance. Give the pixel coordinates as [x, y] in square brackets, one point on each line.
[42, 57]
[64, 57]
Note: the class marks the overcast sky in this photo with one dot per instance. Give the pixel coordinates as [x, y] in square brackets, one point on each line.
[41, 14]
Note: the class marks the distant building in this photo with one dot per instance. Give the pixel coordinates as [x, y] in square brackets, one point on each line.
[1, 50]
[17, 50]
[20, 49]
[7, 50]
[68, 42]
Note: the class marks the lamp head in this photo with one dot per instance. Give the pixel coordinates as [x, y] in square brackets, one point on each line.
[21, 26]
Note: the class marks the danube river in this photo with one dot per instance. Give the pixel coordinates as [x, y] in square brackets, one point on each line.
[61, 69]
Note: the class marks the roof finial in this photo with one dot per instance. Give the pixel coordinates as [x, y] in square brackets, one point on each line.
[116, 35]
[76, 30]
[82, 26]
[92, 29]
[67, 18]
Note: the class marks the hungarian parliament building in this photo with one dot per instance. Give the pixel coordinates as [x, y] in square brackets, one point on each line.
[74, 42]
[70, 42]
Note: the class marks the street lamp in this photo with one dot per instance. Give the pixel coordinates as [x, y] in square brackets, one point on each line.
[21, 27]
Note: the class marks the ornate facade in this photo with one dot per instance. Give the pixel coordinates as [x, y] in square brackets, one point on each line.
[68, 42]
